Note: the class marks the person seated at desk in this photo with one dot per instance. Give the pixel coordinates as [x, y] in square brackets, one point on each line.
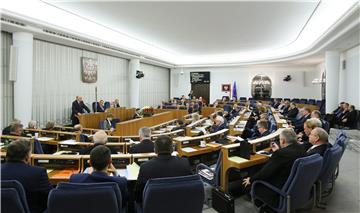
[78, 107]
[281, 105]
[219, 124]
[137, 113]
[145, 145]
[100, 106]
[318, 138]
[299, 124]
[164, 165]
[309, 125]
[83, 137]
[293, 112]
[50, 125]
[100, 171]
[179, 125]
[16, 129]
[285, 109]
[99, 138]
[276, 171]
[349, 120]
[262, 129]
[342, 114]
[32, 125]
[324, 124]
[108, 123]
[195, 117]
[116, 103]
[34, 179]
[276, 103]
[6, 130]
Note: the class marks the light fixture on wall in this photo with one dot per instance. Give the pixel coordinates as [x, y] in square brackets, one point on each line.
[318, 81]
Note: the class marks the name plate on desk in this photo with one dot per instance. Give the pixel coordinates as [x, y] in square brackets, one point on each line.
[45, 139]
[188, 149]
[237, 159]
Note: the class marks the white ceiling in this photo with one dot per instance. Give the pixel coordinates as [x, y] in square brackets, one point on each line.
[198, 33]
[201, 28]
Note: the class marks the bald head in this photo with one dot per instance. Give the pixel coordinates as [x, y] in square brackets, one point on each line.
[100, 137]
[318, 136]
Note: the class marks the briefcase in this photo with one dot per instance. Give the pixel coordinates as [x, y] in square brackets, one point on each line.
[222, 202]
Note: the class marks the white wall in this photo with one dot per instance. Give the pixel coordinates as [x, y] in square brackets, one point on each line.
[299, 87]
[351, 77]
[154, 87]
[57, 80]
[7, 87]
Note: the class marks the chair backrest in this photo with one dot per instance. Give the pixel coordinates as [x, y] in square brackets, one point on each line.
[37, 147]
[20, 197]
[304, 173]
[101, 125]
[326, 125]
[94, 106]
[332, 158]
[81, 197]
[175, 194]
[311, 101]
[106, 105]
[217, 170]
[11, 202]
[342, 140]
[75, 186]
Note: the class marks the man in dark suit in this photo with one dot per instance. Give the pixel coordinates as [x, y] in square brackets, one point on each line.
[101, 106]
[276, 171]
[318, 138]
[293, 111]
[101, 167]
[6, 130]
[349, 120]
[299, 124]
[164, 165]
[219, 124]
[145, 145]
[99, 138]
[77, 108]
[34, 179]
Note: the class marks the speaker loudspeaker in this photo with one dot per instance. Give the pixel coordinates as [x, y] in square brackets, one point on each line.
[13, 63]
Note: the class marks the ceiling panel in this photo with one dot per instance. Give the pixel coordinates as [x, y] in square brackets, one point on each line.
[201, 28]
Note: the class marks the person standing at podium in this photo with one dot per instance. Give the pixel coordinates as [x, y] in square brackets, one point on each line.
[77, 109]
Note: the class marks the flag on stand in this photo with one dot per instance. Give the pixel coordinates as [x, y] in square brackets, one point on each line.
[234, 94]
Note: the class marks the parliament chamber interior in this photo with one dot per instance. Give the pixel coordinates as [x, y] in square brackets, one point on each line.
[180, 106]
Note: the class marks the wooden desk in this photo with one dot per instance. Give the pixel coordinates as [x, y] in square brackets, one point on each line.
[59, 167]
[229, 162]
[6, 139]
[189, 127]
[241, 119]
[132, 127]
[120, 161]
[75, 146]
[194, 143]
[92, 120]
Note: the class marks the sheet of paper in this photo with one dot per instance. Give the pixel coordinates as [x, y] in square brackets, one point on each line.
[158, 131]
[45, 139]
[237, 159]
[188, 149]
[68, 142]
[132, 171]
[49, 170]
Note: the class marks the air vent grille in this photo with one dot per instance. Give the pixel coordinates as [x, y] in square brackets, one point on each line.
[12, 21]
[75, 38]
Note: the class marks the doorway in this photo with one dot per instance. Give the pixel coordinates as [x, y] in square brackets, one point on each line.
[202, 90]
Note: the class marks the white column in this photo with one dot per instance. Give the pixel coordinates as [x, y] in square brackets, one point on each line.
[134, 83]
[342, 79]
[332, 68]
[23, 85]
